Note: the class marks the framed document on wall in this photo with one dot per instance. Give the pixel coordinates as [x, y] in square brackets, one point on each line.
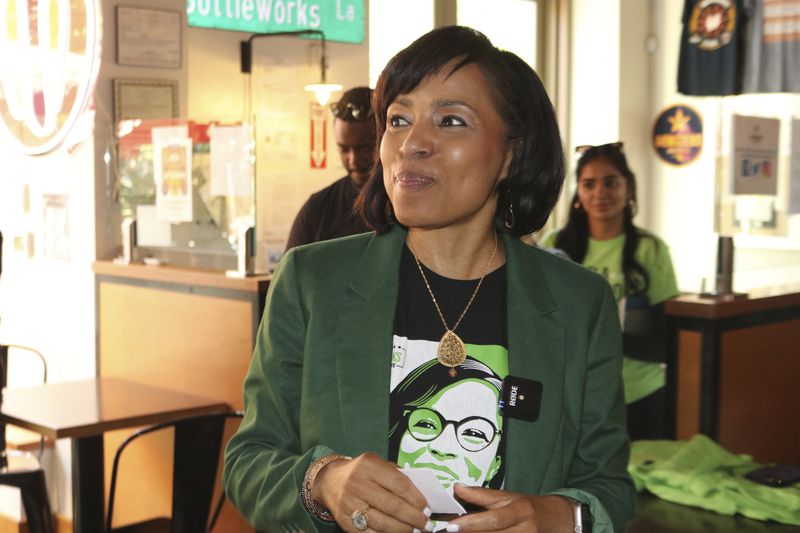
[148, 37]
[145, 99]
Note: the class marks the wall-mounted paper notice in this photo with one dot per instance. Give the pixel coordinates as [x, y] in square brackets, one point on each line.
[164, 134]
[794, 169]
[756, 208]
[150, 231]
[231, 170]
[56, 240]
[755, 155]
[172, 166]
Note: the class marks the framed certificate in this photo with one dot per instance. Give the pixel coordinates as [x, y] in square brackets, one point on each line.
[145, 99]
[149, 37]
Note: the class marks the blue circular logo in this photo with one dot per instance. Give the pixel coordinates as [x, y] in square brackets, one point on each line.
[678, 135]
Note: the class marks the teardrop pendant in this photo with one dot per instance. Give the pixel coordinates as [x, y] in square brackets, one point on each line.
[451, 351]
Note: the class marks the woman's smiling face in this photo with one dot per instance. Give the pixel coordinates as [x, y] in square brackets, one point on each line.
[444, 151]
[472, 406]
[602, 190]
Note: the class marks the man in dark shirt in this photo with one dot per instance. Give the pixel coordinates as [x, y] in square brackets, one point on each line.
[328, 213]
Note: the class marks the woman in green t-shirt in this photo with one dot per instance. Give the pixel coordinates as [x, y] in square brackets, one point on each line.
[601, 235]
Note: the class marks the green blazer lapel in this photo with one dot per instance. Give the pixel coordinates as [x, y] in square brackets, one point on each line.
[535, 351]
[364, 344]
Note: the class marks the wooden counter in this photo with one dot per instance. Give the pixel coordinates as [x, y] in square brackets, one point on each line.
[733, 371]
[717, 307]
[189, 330]
[182, 276]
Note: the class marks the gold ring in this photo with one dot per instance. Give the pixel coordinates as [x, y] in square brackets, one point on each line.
[360, 519]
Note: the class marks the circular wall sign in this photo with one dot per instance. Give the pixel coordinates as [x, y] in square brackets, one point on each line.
[49, 58]
[678, 135]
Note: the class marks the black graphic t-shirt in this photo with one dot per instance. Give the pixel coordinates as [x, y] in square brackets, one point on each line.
[451, 425]
[710, 58]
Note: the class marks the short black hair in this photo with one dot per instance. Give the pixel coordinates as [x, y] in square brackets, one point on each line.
[536, 173]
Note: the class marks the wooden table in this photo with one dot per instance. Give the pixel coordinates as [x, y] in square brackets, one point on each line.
[84, 410]
[654, 515]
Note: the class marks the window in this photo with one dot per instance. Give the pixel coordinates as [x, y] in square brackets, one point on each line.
[509, 24]
[394, 25]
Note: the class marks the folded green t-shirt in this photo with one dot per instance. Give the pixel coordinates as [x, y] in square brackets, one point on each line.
[641, 378]
[700, 473]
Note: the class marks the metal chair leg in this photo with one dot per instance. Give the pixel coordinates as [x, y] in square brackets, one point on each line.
[34, 499]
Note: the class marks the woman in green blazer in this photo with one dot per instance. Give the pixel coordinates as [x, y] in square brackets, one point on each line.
[469, 150]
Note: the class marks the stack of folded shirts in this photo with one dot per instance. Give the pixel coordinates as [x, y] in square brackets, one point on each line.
[700, 473]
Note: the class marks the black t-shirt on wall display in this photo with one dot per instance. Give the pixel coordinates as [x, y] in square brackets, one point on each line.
[711, 47]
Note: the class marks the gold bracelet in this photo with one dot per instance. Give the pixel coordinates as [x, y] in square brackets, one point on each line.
[307, 492]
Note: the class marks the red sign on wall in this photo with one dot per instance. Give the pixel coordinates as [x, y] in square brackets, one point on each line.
[319, 136]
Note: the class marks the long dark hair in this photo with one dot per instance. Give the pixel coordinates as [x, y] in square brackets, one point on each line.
[574, 237]
[536, 173]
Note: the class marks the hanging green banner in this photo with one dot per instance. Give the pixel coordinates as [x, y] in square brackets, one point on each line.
[339, 20]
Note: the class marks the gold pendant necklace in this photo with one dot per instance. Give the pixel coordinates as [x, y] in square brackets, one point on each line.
[451, 351]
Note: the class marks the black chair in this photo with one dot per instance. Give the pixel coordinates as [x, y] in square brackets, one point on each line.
[198, 441]
[22, 469]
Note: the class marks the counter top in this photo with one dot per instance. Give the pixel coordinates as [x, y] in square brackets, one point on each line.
[182, 276]
[715, 307]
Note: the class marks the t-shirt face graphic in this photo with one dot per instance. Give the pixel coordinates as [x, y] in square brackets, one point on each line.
[448, 424]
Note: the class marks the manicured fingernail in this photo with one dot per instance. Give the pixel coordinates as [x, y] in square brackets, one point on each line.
[427, 511]
[416, 531]
[453, 528]
[429, 526]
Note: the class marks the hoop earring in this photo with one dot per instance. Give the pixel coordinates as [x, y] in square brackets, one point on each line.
[509, 223]
[631, 206]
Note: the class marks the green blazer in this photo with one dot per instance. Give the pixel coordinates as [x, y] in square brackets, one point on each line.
[318, 381]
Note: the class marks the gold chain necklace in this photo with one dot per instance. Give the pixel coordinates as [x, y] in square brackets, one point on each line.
[451, 351]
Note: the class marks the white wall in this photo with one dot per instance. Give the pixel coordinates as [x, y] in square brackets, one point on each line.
[682, 198]
[594, 73]
[610, 88]
[635, 117]
[47, 303]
